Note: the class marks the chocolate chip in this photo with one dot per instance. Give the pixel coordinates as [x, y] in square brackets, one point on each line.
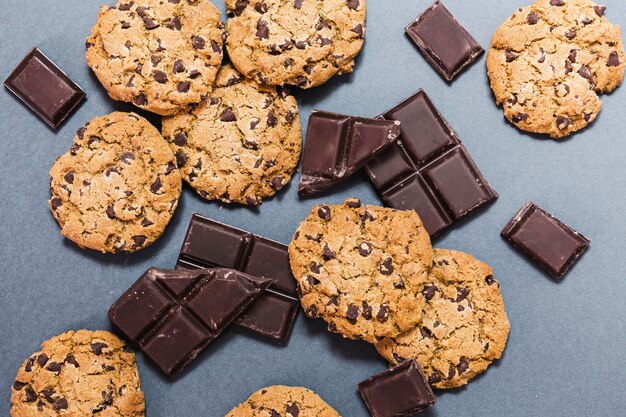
[585, 73]
[570, 34]
[228, 115]
[155, 59]
[160, 77]
[288, 62]
[252, 201]
[173, 24]
[311, 311]
[382, 313]
[324, 212]
[587, 116]
[301, 44]
[178, 67]
[262, 31]
[511, 101]
[434, 377]
[89, 44]
[29, 364]
[519, 117]
[298, 4]
[532, 18]
[352, 314]
[180, 139]
[365, 249]
[272, 121]
[489, 279]
[386, 268]
[568, 67]
[572, 56]
[61, 404]
[367, 311]
[563, 122]
[461, 294]
[215, 47]
[327, 253]
[293, 410]
[429, 291]
[183, 86]
[426, 333]
[462, 366]
[69, 177]
[17, 385]
[556, 3]
[358, 29]
[42, 360]
[240, 5]
[289, 116]
[30, 395]
[197, 42]
[260, 7]
[126, 6]
[301, 80]
[181, 158]
[140, 100]
[97, 347]
[613, 60]
[510, 56]
[316, 268]
[138, 240]
[48, 395]
[354, 4]
[232, 81]
[312, 280]
[322, 41]
[333, 301]
[586, 21]
[599, 10]
[156, 185]
[277, 183]
[81, 132]
[309, 68]
[150, 23]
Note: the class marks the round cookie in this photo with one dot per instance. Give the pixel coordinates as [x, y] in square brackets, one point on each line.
[241, 145]
[83, 373]
[296, 42]
[282, 401]
[361, 268]
[462, 327]
[117, 187]
[159, 55]
[549, 61]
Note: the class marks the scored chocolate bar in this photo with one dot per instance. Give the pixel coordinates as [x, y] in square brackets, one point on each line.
[212, 244]
[428, 169]
[44, 88]
[337, 145]
[173, 315]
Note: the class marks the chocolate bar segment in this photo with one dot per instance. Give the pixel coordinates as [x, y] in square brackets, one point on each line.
[397, 392]
[443, 41]
[44, 88]
[173, 315]
[545, 239]
[212, 244]
[337, 145]
[428, 169]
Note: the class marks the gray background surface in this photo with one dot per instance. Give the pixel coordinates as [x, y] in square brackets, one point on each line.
[565, 355]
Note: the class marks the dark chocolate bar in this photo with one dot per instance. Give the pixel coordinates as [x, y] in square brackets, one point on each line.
[428, 169]
[173, 315]
[545, 239]
[212, 244]
[443, 41]
[44, 88]
[336, 146]
[397, 392]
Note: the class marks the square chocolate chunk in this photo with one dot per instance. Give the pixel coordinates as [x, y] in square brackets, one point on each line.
[443, 41]
[545, 239]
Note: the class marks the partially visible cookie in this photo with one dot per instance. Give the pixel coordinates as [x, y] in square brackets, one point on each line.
[159, 55]
[117, 187]
[362, 268]
[462, 327]
[549, 61]
[282, 401]
[296, 42]
[240, 145]
[83, 373]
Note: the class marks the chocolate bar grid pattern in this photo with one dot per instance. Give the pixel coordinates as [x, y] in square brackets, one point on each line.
[251, 254]
[424, 173]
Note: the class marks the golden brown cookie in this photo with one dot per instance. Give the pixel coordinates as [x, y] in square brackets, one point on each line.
[240, 145]
[549, 61]
[362, 268]
[282, 401]
[83, 373]
[117, 187]
[159, 55]
[462, 327]
[296, 42]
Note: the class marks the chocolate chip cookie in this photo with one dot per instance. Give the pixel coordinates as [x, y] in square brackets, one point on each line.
[159, 55]
[117, 187]
[296, 42]
[282, 401]
[83, 373]
[362, 268]
[549, 61]
[462, 327]
[240, 145]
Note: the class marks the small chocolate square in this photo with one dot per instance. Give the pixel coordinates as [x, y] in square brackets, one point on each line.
[545, 239]
[44, 88]
[443, 41]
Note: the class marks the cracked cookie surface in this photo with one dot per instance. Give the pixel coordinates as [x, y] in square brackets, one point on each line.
[283, 401]
[117, 187]
[462, 327]
[549, 61]
[241, 144]
[159, 55]
[82, 373]
[296, 42]
[361, 268]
